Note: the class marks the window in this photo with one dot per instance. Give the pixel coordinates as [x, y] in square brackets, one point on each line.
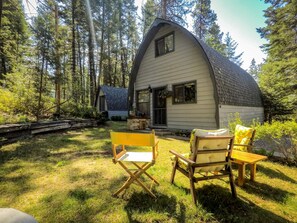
[184, 93]
[143, 103]
[164, 44]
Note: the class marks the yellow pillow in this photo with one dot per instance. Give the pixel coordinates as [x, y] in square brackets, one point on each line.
[243, 136]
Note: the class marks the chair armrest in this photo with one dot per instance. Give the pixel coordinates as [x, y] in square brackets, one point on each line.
[190, 162]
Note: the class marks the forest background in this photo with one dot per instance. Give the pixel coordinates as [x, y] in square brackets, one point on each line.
[52, 64]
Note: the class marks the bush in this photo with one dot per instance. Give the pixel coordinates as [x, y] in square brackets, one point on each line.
[282, 135]
[116, 118]
[234, 120]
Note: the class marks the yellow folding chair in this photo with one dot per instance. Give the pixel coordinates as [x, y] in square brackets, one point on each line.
[141, 160]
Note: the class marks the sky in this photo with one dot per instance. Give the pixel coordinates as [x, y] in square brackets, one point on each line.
[240, 18]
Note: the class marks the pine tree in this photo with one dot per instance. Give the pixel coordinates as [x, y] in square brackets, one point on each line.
[149, 13]
[13, 36]
[203, 18]
[174, 10]
[278, 78]
[214, 39]
[254, 69]
[231, 46]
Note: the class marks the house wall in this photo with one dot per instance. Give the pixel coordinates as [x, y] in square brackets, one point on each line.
[247, 114]
[101, 93]
[184, 64]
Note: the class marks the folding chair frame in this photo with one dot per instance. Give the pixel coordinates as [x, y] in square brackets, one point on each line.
[134, 139]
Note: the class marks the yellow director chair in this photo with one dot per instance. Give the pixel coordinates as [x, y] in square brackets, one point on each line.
[141, 160]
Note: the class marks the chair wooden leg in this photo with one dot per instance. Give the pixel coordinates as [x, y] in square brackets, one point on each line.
[173, 171]
[192, 185]
[232, 184]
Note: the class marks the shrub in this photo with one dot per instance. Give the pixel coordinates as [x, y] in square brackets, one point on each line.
[281, 135]
[233, 120]
[116, 118]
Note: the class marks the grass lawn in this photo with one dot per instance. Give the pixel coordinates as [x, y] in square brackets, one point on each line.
[70, 177]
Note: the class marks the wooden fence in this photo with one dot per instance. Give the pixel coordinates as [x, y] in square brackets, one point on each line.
[13, 132]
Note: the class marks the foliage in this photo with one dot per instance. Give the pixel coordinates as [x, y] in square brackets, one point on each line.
[282, 135]
[174, 10]
[149, 13]
[254, 69]
[13, 36]
[203, 18]
[231, 46]
[278, 75]
[71, 175]
[20, 96]
[116, 118]
[233, 120]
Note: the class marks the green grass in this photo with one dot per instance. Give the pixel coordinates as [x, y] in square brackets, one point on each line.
[69, 177]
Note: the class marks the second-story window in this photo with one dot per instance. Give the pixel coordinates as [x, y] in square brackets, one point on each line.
[164, 44]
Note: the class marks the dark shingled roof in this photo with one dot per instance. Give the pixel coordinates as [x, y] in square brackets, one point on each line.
[116, 98]
[232, 84]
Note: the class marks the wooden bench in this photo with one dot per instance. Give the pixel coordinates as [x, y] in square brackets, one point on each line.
[241, 159]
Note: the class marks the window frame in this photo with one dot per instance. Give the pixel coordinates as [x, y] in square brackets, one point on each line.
[183, 85]
[163, 37]
[148, 102]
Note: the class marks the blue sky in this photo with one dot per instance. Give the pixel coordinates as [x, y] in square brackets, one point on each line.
[240, 18]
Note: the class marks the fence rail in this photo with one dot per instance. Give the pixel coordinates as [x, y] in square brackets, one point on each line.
[13, 132]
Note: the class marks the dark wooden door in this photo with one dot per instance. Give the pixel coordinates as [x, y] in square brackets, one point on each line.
[159, 108]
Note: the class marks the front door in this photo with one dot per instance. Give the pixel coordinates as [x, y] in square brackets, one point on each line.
[159, 108]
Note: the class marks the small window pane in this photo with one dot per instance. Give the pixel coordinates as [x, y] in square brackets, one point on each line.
[143, 103]
[184, 93]
[164, 45]
[169, 43]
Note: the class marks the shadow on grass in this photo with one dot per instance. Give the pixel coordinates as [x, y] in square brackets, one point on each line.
[144, 204]
[275, 174]
[266, 191]
[46, 147]
[224, 208]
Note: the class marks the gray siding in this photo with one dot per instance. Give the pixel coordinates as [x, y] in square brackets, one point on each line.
[184, 64]
[247, 114]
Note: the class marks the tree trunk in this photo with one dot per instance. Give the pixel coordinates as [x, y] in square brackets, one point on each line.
[92, 68]
[57, 63]
[74, 75]
[101, 45]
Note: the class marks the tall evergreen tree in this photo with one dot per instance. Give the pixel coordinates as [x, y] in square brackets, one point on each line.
[203, 18]
[214, 39]
[149, 13]
[231, 46]
[278, 78]
[13, 36]
[174, 10]
[254, 69]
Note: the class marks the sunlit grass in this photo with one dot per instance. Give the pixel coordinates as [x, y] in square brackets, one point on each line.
[69, 177]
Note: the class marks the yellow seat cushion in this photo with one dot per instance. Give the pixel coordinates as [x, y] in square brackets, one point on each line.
[243, 136]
